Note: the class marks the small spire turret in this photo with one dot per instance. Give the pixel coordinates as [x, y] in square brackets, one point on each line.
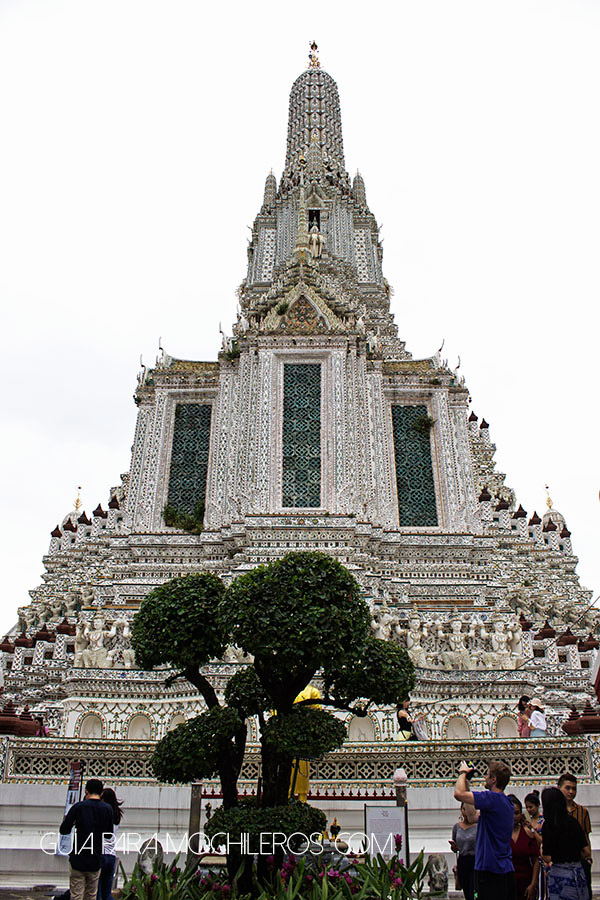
[270, 191]
[358, 189]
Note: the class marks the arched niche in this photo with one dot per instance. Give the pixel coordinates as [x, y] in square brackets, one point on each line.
[139, 728]
[91, 727]
[178, 719]
[458, 729]
[361, 728]
[506, 727]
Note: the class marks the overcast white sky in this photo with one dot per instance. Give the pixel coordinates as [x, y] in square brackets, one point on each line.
[136, 137]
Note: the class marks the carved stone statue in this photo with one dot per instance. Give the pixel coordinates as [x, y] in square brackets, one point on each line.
[382, 623]
[81, 643]
[501, 647]
[121, 653]
[95, 655]
[27, 617]
[457, 656]
[72, 603]
[437, 874]
[315, 242]
[87, 595]
[416, 631]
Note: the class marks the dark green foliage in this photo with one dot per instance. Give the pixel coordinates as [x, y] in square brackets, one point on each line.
[423, 424]
[196, 749]
[246, 694]
[234, 353]
[304, 732]
[247, 818]
[194, 523]
[282, 307]
[176, 623]
[294, 616]
[297, 616]
[381, 672]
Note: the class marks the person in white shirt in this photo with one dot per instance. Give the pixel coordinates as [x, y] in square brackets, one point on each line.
[537, 719]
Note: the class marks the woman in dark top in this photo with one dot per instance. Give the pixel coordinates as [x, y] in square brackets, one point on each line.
[405, 725]
[464, 834]
[525, 854]
[109, 859]
[564, 845]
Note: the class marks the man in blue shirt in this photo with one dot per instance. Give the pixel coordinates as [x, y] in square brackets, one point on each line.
[494, 870]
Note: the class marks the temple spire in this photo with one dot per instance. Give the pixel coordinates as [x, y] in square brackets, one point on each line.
[315, 108]
[313, 56]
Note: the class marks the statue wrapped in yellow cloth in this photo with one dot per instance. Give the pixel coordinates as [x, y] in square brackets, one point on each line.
[300, 780]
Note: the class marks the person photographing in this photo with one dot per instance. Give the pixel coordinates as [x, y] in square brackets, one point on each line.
[494, 877]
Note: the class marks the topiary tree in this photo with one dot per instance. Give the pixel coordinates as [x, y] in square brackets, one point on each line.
[297, 617]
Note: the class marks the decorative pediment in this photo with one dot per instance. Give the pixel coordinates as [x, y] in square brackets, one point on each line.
[302, 311]
[316, 197]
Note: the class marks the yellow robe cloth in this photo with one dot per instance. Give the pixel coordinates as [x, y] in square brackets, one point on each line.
[301, 767]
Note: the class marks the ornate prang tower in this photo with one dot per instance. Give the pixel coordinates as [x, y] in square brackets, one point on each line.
[314, 429]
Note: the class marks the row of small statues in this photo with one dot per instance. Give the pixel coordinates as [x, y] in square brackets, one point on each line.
[435, 643]
[558, 610]
[52, 612]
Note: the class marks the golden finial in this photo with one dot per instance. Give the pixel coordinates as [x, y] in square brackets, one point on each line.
[78, 499]
[548, 497]
[313, 57]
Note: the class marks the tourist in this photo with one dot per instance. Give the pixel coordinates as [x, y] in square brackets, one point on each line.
[464, 833]
[564, 845]
[525, 854]
[405, 725]
[536, 819]
[523, 718]
[109, 859]
[409, 729]
[42, 731]
[537, 719]
[494, 871]
[567, 784]
[91, 818]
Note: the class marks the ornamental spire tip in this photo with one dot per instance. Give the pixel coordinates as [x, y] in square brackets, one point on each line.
[313, 57]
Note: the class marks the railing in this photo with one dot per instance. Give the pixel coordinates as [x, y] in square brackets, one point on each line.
[358, 769]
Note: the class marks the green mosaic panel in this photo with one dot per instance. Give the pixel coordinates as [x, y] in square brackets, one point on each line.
[414, 471]
[301, 435]
[189, 456]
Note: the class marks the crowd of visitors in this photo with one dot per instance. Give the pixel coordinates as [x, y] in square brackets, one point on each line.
[505, 854]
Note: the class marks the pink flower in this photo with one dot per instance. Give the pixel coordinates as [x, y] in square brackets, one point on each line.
[397, 882]
[398, 842]
[226, 890]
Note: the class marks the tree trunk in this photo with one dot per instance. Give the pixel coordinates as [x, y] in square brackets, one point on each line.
[276, 773]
